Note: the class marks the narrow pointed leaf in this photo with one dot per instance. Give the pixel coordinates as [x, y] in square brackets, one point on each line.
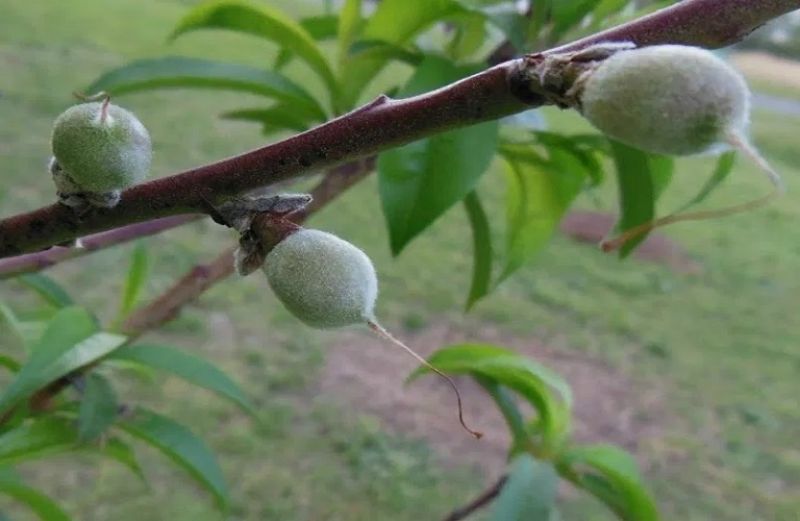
[323, 27]
[13, 324]
[36, 439]
[181, 446]
[98, 408]
[9, 363]
[123, 453]
[529, 493]
[68, 343]
[47, 288]
[44, 507]
[721, 170]
[396, 22]
[263, 21]
[420, 181]
[612, 475]
[539, 192]
[349, 24]
[641, 177]
[135, 280]
[181, 72]
[529, 379]
[189, 367]
[481, 249]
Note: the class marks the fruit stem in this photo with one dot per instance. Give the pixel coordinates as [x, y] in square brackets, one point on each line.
[104, 110]
[608, 245]
[373, 325]
[739, 142]
[736, 140]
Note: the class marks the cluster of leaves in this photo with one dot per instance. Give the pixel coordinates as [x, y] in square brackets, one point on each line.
[541, 450]
[442, 41]
[63, 344]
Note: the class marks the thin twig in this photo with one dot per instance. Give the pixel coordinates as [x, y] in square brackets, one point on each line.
[30, 262]
[479, 502]
[380, 125]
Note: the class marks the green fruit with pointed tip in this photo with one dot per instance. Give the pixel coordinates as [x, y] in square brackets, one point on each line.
[323, 280]
[668, 99]
[101, 150]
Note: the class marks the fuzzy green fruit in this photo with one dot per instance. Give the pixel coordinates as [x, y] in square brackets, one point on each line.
[323, 280]
[101, 152]
[669, 99]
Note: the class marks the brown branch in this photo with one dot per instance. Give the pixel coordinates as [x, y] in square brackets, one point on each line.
[382, 124]
[479, 502]
[30, 262]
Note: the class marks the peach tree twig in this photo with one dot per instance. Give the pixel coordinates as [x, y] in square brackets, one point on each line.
[384, 123]
[30, 262]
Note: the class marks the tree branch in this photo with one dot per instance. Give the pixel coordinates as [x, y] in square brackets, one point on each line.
[479, 502]
[379, 125]
[30, 262]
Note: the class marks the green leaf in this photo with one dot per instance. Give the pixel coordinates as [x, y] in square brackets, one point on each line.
[350, 22]
[567, 15]
[539, 192]
[380, 50]
[322, 27]
[511, 414]
[606, 8]
[47, 288]
[189, 367]
[41, 505]
[319, 27]
[723, 168]
[13, 323]
[98, 408]
[9, 363]
[175, 71]
[179, 444]
[395, 22]
[275, 118]
[68, 343]
[583, 147]
[120, 451]
[420, 181]
[511, 23]
[469, 35]
[263, 21]
[641, 177]
[528, 378]
[137, 276]
[610, 474]
[529, 493]
[481, 248]
[36, 439]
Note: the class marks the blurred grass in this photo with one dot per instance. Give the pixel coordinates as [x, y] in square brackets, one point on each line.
[722, 344]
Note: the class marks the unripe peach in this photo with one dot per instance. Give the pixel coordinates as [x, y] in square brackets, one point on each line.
[323, 280]
[669, 99]
[101, 147]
